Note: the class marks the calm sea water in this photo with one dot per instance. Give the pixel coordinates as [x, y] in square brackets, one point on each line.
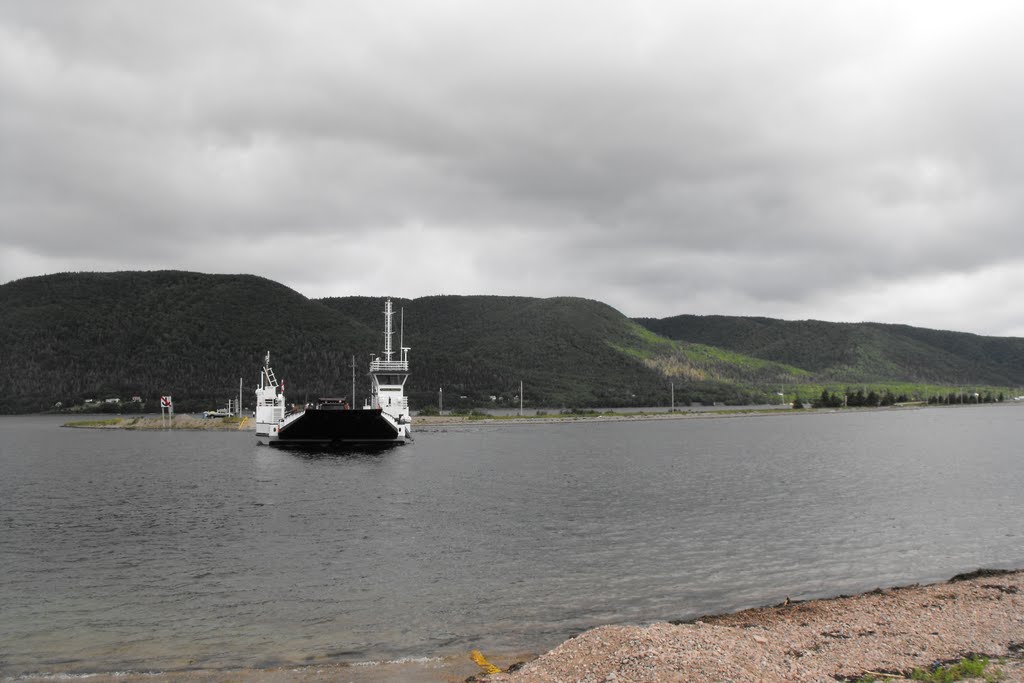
[167, 550]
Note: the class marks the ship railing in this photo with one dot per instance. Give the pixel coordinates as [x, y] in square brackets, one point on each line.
[398, 408]
[389, 366]
[290, 417]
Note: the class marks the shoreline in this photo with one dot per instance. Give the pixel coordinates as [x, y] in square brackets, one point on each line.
[178, 423]
[883, 634]
[187, 422]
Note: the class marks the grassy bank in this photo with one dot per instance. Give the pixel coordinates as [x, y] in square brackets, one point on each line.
[177, 422]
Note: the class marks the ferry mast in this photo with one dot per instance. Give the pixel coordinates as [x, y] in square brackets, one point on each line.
[389, 375]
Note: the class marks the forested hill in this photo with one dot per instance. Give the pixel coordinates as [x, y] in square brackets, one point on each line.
[566, 351]
[75, 336]
[857, 352]
[72, 336]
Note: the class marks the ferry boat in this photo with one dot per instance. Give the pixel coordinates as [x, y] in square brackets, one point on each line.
[383, 419]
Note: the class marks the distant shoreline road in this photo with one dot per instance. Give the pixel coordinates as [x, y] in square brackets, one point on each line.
[190, 422]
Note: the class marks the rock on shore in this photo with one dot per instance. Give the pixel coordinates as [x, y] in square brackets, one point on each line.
[885, 631]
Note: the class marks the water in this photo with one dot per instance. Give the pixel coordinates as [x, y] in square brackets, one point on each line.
[171, 550]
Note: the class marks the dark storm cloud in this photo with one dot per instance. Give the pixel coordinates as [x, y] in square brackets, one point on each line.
[804, 159]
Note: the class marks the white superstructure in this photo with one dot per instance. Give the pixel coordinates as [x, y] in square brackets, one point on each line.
[388, 377]
[269, 402]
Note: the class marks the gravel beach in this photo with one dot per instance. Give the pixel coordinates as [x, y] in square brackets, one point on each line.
[885, 632]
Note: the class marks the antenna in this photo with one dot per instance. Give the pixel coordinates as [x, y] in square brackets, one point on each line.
[401, 333]
[387, 330]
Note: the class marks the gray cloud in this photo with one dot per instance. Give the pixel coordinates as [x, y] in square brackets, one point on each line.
[835, 161]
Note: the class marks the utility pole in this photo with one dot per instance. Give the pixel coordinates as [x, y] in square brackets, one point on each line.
[239, 397]
[352, 401]
[673, 387]
[520, 398]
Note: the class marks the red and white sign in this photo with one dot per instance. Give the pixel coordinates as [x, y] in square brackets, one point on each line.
[165, 402]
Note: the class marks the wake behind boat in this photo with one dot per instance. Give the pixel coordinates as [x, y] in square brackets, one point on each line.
[384, 419]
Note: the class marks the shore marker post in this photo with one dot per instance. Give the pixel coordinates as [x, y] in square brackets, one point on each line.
[166, 405]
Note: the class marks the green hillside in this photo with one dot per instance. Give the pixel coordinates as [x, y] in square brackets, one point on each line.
[566, 351]
[73, 336]
[858, 352]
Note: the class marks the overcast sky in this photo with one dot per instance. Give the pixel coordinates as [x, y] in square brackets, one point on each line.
[839, 160]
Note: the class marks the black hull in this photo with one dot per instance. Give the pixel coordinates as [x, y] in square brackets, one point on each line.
[316, 426]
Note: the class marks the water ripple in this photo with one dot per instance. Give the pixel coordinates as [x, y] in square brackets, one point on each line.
[126, 550]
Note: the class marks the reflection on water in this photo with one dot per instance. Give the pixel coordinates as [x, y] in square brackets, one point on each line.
[168, 550]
